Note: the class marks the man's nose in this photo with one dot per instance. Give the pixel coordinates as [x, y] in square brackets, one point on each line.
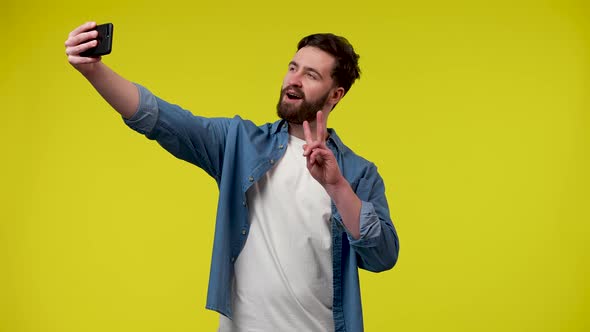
[294, 79]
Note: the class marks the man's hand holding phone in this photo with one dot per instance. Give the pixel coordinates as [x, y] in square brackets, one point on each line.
[84, 48]
[87, 43]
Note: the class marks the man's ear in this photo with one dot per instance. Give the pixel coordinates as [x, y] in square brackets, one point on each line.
[336, 95]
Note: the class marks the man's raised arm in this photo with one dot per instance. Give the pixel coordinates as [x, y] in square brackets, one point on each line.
[120, 93]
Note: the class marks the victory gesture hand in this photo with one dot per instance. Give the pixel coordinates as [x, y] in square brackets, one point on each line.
[321, 162]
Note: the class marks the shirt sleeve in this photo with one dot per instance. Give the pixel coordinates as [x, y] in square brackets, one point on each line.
[144, 119]
[378, 245]
[196, 139]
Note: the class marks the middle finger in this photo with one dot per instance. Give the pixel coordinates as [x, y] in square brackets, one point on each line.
[82, 37]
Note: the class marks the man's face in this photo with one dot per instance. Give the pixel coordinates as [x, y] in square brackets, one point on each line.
[307, 86]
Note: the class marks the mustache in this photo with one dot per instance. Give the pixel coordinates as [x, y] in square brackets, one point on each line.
[292, 88]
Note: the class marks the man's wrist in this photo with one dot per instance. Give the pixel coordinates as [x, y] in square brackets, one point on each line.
[89, 70]
[336, 189]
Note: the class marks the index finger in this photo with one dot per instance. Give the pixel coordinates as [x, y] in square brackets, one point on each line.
[82, 28]
[320, 126]
[307, 132]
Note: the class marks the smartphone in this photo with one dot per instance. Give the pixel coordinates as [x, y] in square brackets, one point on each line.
[105, 41]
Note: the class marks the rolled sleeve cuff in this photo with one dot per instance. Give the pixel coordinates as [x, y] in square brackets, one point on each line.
[370, 227]
[146, 116]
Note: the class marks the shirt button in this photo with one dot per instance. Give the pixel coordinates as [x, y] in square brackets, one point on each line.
[251, 179]
[244, 203]
[272, 161]
[243, 232]
[233, 259]
[281, 146]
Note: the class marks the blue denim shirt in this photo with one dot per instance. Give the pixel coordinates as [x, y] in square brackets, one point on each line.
[236, 153]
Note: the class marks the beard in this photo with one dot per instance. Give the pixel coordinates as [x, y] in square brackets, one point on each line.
[305, 111]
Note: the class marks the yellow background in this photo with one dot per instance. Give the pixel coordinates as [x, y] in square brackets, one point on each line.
[476, 113]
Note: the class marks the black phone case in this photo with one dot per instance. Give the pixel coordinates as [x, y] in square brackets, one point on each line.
[105, 41]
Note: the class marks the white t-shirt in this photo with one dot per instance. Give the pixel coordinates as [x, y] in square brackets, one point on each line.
[283, 275]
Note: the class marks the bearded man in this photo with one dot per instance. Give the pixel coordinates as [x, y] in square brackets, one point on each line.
[298, 211]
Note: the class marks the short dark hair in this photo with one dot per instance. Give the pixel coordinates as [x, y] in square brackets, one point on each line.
[346, 69]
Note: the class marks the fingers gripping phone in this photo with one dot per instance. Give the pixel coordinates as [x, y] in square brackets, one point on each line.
[105, 41]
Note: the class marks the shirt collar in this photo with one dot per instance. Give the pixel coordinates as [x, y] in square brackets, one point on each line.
[283, 125]
[279, 125]
[335, 140]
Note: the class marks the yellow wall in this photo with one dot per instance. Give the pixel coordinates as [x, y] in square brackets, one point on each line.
[476, 112]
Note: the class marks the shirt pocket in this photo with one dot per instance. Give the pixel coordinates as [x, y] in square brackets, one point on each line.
[363, 189]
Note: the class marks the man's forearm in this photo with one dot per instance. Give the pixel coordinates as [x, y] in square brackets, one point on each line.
[348, 205]
[120, 93]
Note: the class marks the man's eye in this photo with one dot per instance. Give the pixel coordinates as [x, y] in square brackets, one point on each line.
[312, 76]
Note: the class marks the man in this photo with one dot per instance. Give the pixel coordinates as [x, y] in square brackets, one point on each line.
[298, 211]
